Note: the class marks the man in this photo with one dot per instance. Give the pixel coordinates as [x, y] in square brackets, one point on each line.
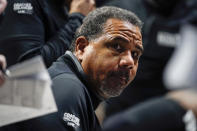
[105, 58]
[40, 27]
[104, 61]
[106, 50]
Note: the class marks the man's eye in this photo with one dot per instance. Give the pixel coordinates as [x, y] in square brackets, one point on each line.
[135, 55]
[117, 47]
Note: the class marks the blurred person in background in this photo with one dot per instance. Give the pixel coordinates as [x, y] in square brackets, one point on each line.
[3, 66]
[3, 4]
[161, 33]
[40, 27]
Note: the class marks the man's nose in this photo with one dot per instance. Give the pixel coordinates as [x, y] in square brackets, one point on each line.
[127, 60]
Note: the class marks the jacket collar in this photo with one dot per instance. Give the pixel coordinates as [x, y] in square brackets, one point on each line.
[70, 59]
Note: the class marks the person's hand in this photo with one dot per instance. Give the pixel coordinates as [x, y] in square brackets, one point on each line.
[186, 98]
[82, 6]
[3, 65]
[3, 4]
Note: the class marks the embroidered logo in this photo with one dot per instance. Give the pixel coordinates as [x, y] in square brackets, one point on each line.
[168, 39]
[71, 120]
[23, 8]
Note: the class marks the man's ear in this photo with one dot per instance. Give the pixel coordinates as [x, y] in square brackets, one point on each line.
[80, 44]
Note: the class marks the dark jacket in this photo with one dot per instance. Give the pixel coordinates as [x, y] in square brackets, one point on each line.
[75, 102]
[73, 93]
[36, 27]
[159, 114]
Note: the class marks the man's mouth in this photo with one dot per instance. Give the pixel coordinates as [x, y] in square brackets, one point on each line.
[121, 76]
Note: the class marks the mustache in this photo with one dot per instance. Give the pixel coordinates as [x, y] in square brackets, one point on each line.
[122, 74]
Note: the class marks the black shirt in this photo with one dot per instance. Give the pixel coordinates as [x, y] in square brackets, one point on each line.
[73, 94]
[36, 27]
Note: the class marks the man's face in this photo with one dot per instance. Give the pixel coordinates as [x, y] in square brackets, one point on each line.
[111, 60]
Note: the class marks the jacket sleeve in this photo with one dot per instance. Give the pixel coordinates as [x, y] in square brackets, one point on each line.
[58, 44]
[71, 102]
[155, 115]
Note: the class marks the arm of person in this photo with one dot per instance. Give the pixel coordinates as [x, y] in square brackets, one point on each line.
[58, 44]
[160, 114]
[72, 103]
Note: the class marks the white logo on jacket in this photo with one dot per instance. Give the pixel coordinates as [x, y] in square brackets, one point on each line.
[168, 39]
[23, 8]
[71, 120]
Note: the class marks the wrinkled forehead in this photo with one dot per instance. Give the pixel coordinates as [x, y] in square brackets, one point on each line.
[122, 28]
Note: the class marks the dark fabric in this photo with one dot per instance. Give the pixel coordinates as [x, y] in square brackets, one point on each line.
[160, 36]
[159, 114]
[72, 97]
[39, 28]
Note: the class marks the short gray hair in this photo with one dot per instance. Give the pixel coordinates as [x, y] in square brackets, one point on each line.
[93, 23]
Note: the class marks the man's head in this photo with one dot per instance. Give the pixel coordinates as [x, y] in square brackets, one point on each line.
[108, 46]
